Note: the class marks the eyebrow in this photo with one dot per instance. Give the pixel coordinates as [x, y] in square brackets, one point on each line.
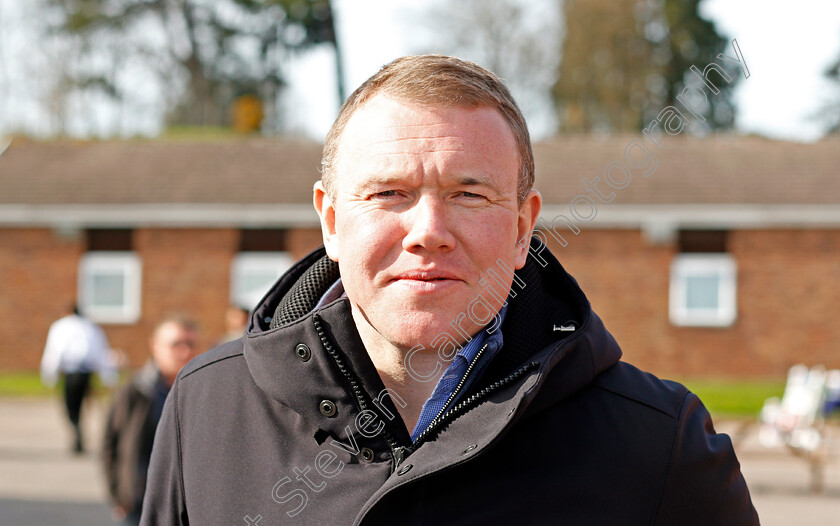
[466, 180]
[379, 180]
[481, 180]
[474, 181]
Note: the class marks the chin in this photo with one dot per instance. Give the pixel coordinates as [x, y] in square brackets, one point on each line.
[414, 328]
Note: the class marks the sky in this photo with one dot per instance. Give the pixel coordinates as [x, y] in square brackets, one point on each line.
[786, 45]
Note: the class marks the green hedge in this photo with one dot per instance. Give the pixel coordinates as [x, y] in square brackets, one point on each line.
[735, 398]
[28, 384]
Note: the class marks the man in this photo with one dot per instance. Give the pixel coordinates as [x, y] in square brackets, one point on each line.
[134, 415]
[236, 319]
[75, 348]
[404, 374]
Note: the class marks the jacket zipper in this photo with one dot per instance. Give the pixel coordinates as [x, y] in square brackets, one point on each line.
[457, 388]
[398, 453]
[461, 407]
[469, 403]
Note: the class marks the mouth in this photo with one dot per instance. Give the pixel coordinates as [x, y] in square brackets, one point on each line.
[426, 275]
[423, 281]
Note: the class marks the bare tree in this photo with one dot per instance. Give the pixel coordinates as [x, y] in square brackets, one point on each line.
[203, 53]
[515, 39]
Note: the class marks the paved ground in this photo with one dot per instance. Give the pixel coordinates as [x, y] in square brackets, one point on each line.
[41, 484]
[779, 482]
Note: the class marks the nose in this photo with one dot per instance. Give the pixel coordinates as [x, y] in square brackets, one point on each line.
[428, 228]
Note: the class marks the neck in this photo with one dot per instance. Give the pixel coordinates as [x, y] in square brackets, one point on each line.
[390, 363]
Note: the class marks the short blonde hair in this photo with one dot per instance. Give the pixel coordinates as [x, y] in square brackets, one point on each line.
[179, 319]
[435, 80]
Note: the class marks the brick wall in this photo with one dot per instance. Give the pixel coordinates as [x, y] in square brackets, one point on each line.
[300, 242]
[789, 286]
[38, 277]
[184, 270]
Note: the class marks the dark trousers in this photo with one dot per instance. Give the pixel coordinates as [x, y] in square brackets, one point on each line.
[133, 518]
[75, 388]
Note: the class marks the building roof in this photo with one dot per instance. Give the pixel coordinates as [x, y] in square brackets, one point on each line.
[133, 172]
[136, 181]
[716, 169]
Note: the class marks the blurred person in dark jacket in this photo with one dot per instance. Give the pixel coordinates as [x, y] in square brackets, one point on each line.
[76, 347]
[134, 415]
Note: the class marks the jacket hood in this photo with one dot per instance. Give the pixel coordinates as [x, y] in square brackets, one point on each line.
[549, 324]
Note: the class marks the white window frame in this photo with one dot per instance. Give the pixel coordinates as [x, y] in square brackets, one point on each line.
[126, 263]
[276, 263]
[722, 266]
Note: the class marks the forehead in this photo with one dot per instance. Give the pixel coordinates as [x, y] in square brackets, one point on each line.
[387, 131]
[172, 330]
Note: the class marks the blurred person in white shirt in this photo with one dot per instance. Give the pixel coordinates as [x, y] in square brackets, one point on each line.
[76, 347]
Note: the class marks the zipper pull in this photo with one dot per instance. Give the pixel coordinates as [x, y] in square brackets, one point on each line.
[400, 454]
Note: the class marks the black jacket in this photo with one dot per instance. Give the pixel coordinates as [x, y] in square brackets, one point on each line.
[127, 442]
[291, 425]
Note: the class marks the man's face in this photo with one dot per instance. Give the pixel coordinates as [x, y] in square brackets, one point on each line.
[425, 204]
[173, 345]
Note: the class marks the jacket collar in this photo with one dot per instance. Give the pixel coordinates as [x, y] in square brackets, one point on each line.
[290, 362]
[547, 299]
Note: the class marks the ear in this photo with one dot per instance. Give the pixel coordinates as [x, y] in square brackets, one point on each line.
[154, 348]
[529, 212]
[326, 212]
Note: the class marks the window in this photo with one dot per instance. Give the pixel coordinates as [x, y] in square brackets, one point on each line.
[703, 290]
[109, 286]
[253, 273]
